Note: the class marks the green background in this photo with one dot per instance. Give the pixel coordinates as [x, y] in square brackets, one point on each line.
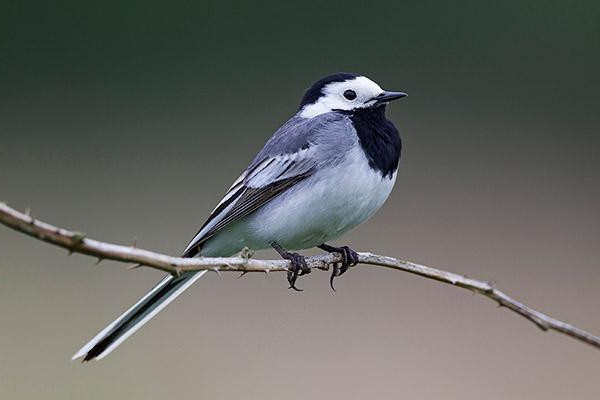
[128, 121]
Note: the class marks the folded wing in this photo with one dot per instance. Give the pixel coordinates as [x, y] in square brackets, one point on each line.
[293, 153]
[256, 187]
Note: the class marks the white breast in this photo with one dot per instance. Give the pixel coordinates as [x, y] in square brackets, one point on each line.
[324, 206]
[318, 209]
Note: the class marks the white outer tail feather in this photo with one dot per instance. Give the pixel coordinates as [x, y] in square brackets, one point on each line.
[106, 331]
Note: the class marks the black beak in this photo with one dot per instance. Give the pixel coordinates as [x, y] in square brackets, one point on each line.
[389, 96]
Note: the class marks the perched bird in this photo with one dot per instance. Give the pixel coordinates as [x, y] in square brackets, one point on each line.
[325, 171]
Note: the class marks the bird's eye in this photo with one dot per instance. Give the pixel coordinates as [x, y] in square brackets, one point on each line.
[350, 95]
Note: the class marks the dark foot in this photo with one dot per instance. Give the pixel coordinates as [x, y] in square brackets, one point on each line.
[349, 259]
[298, 265]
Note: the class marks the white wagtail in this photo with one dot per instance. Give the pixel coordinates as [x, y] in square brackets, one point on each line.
[325, 171]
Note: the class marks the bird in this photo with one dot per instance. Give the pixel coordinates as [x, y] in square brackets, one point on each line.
[326, 170]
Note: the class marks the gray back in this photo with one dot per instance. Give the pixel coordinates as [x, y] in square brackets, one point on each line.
[332, 133]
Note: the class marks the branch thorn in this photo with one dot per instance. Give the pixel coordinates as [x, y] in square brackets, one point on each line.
[76, 242]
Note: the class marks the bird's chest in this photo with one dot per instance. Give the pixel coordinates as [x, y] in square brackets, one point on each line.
[331, 202]
[354, 192]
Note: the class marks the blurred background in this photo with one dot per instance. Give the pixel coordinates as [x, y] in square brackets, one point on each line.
[129, 120]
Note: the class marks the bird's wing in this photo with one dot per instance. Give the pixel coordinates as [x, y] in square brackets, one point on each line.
[253, 189]
[291, 155]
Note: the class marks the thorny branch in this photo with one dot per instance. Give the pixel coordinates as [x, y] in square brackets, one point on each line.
[77, 242]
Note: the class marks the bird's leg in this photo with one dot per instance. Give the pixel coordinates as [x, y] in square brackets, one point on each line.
[349, 259]
[298, 265]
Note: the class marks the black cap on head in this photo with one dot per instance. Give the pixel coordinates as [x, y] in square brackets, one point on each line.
[316, 90]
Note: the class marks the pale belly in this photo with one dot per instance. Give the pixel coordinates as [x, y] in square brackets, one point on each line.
[315, 211]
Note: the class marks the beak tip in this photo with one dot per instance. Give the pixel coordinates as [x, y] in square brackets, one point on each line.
[388, 96]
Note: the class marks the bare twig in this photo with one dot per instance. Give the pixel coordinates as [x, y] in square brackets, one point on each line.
[77, 242]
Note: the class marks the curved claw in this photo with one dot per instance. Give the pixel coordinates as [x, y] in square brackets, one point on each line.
[349, 259]
[297, 268]
[334, 273]
[292, 286]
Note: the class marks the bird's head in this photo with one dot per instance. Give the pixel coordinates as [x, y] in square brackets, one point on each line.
[344, 92]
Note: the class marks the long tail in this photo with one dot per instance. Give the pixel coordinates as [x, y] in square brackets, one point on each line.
[133, 319]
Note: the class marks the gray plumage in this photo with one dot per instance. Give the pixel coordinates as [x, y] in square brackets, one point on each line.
[299, 149]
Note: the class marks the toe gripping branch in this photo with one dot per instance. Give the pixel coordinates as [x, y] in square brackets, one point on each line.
[298, 265]
[349, 259]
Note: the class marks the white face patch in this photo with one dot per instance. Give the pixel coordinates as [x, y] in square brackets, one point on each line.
[333, 97]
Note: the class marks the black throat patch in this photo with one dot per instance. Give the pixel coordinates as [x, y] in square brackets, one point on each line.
[378, 138]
